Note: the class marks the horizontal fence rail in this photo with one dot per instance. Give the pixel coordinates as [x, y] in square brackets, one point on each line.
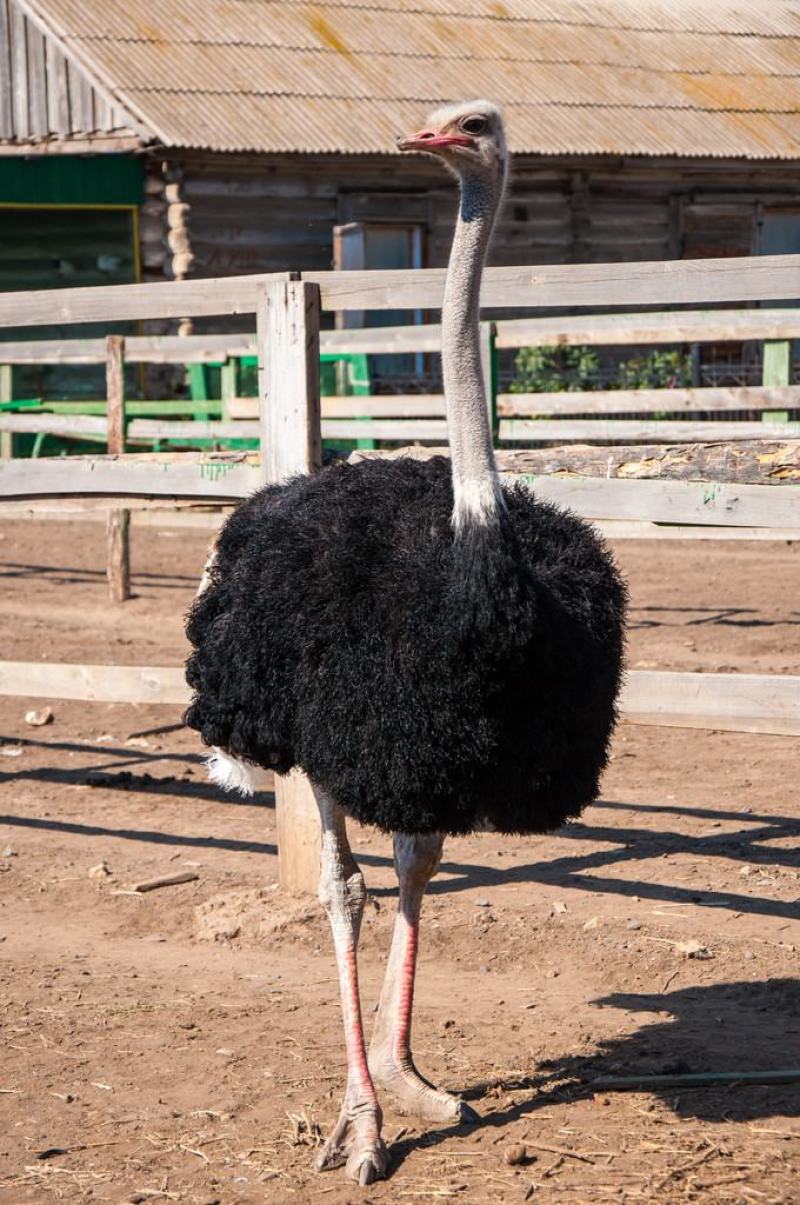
[590, 286]
[180, 475]
[738, 702]
[654, 401]
[624, 329]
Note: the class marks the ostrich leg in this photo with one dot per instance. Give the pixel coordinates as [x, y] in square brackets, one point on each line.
[391, 1062]
[356, 1139]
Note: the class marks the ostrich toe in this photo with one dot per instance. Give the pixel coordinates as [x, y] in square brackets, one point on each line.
[356, 1144]
[415, 1095]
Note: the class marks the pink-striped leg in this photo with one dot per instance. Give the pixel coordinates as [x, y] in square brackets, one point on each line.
[356, 1139]
[391, 1062]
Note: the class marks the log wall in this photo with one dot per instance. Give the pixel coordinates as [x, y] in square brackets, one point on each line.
[262, 213]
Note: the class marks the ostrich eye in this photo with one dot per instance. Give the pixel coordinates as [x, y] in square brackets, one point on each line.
[474, 125]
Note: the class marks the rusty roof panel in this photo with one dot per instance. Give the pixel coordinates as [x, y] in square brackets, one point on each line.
[611, 76]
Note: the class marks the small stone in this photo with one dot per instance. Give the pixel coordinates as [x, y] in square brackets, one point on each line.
[592, 922]
[101, 871]
[224, 1052]
[483, 903]
[746, 871]
[634, 924]
[10, 750]
[484, 970]
[552, 974]
[8, 852]
[694, 949]
[516, 1154]
[748, 956]
[38, 719]
[559, 906]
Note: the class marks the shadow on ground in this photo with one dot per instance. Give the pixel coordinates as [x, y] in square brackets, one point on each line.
[728, 1027]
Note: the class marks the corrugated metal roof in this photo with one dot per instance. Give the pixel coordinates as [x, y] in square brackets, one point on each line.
[642, 78]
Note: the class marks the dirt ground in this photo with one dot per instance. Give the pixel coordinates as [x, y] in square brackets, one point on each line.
[185, 1045]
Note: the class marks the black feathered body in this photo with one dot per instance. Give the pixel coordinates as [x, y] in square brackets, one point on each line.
[428, 681]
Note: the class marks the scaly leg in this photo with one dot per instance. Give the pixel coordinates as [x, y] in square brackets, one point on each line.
[416, 860]
[356, 1139]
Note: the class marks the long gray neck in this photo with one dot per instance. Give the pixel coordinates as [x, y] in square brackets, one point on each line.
[477, 497]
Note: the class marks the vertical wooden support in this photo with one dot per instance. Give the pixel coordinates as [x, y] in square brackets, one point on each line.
[118, 569]
[288, 387]
[777, 370]
[228, 381]
[6, 395]
[488, 371]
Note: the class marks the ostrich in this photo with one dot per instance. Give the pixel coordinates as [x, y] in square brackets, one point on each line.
[438, 651]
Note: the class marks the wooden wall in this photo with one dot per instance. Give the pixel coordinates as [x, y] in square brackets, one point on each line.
[248, 214]
[42, 93]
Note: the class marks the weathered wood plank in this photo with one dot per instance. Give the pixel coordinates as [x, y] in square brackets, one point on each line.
[193, 429]
[118, 555]
[632, 529]
[749, 462]
[665, 401]
[661, 282]
[154, 512]
[738, 702]
[638, 430]
[400, 405]
[624, 329]
[6, 394]
[288, 322]
[139, 349]
[178, 475]
[673, 501]
[37, 81]
[6, 86]
[670, 282]
[115, 303]
[288, 326]
[65, 425]
[386, 429]
[94, 683]
[226, 478]
[57, 89]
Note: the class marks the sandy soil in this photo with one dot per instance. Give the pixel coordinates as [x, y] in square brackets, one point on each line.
[185, 1045]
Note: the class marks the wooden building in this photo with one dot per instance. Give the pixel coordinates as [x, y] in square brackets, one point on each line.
[205, 137]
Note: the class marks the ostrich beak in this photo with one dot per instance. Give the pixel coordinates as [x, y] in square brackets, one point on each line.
[429, 140]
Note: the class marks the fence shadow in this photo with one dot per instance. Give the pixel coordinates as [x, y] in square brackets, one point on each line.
[626, 846]
[731, 617]
[729, 1027]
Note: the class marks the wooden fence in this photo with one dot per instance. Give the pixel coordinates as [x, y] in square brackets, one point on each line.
[738, 485]
[544, 417]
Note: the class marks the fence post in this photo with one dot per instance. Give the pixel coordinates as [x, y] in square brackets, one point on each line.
[777, 370]
[489, 371]
[288, 318]
[118, 568]
[6, 395]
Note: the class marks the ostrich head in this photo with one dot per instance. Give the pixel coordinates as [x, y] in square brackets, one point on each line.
[467, 136]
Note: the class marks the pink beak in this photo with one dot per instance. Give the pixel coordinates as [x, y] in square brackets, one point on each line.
[429, 140]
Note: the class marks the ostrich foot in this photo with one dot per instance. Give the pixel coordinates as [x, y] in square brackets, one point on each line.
[416, 1095]
[356, 1143]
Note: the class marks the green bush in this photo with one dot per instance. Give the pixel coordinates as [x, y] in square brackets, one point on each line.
[656, 370]
[554, 369]
[571, 369]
